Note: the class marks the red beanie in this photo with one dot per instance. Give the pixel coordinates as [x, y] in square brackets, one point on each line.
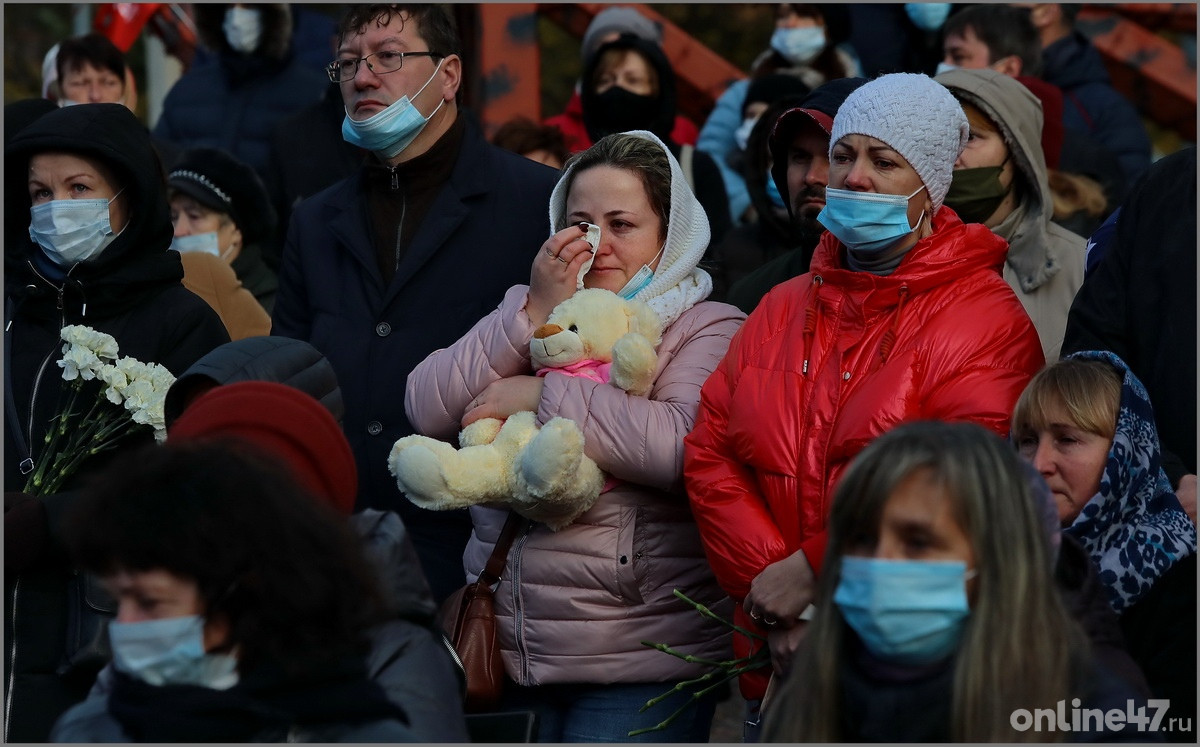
[1052, 113]
[284, 421]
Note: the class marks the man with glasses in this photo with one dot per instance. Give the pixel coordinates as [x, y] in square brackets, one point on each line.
[403, 257]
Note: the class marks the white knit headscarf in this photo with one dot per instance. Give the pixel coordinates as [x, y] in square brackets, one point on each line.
[678, 283]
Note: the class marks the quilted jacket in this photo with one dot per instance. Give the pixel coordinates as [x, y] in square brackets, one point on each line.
[830, 360]
[575, 605]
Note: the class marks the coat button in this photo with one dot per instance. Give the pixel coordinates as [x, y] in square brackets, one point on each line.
[374, 427]
[846, 376]
[383, 329]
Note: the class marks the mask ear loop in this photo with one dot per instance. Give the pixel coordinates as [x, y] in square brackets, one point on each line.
[921, 217]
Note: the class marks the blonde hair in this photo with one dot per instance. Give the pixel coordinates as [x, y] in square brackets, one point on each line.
[1071, 193]
[1089, 390]
[1020, 648]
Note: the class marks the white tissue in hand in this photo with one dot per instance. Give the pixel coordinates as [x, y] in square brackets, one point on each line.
[592, 237]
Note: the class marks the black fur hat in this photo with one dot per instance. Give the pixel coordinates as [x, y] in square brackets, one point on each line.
[219, 181]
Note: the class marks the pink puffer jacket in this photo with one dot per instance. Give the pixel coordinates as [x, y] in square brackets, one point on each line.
[575, 605]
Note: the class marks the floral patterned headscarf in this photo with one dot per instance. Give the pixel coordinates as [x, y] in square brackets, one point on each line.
[1134, 528]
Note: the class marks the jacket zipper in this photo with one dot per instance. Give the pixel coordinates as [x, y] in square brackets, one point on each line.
[37, 379]
[400, 233]
[12, 664]
[514, 581]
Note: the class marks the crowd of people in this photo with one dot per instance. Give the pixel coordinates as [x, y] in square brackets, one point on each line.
[917, 459]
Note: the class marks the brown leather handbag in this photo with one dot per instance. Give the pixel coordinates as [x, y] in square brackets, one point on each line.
[469, 620]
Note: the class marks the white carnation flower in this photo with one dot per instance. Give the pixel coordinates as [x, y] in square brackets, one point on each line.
[115, 382]
[103, 345]
[78, 362]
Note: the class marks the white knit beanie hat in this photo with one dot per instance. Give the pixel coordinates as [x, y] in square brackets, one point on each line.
[678, 283]
[917, 117]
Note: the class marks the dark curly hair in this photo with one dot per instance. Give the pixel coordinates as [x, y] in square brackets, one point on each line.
[282, 567]
[93, 49]
[435, 23]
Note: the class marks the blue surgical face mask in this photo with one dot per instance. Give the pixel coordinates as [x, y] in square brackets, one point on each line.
[773, 194]
[204, 243]
[742, 134]
[392, 130]
[170, 651]
[640, 279]
[944, 67]
[72, 231]
[799, 46]
[927, 16]
[905, 611]
[243, 28]
[867, 222]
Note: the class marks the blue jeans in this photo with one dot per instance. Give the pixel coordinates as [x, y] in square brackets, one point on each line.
[607, 713]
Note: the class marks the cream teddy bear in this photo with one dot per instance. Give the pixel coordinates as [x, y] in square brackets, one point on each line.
[543, 473]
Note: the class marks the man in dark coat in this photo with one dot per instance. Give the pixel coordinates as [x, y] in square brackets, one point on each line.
[131, 290]
[1140, 303]
[1090, 103]
[234, 100]
[403, 257]
[799, 145]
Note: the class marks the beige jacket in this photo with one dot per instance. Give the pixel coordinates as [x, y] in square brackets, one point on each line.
[211, 278]
[1045, 261]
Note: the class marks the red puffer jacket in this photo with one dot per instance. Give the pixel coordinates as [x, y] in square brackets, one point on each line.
[827, 362]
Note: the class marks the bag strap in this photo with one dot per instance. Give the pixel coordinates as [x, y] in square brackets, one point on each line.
[495, 565]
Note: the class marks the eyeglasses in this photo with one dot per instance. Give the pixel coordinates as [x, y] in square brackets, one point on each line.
[386, 61]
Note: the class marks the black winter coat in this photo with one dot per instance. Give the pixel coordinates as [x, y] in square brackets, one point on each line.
[1140, 302]
[1160, 631]
[1092, 106]
[233, 101]
[279, 359]
[479, 238]
[132, 291]
[334, 705]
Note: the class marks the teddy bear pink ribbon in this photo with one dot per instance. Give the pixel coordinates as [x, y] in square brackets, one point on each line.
[598, 371]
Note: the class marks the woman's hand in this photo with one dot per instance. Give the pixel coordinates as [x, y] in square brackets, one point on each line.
[781, 592]
[556, 271]
[505, 397]
[1186, 493]
[783, 644]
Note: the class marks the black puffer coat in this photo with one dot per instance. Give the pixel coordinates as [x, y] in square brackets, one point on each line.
[132, 291]
[281, 359]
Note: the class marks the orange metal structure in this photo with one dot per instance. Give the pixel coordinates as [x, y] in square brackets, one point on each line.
[1146, 68]
[1158, 16]
[509, 64]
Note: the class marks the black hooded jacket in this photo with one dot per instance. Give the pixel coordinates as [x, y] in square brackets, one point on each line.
[601, 120]
[131, 291]
[749, 246]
